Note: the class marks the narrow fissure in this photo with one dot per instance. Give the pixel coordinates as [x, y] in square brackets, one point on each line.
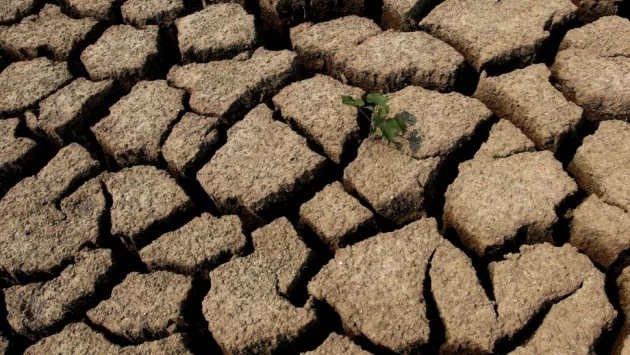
[437, 335]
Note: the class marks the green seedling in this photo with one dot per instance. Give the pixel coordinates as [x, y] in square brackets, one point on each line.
[380, 124]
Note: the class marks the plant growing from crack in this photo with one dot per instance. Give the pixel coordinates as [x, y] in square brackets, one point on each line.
[380, 124]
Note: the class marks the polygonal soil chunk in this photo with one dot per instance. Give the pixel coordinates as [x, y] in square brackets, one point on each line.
[217, 32]
[76, 339]
[24, 84]
[139, 123]
[99, 9]
[403, 15]
[337, 344]
[152, 12]
[123, 53]
[65, 115]
[191, 141]
[14, 10]
[173, 345]
[38, 237]
[247, 309]
[574, 325]
[50, 32]
[600, 231]
[16, 154]
[437, 123]
[376, 286]
[545, 274]
[468, 315]
[505, 140]
[591, 10]
[336, 217]
[592, 68]
[526, 98]
[601, 165]
[317, 44]
[499, 201]
[38, 308]
[622, 344]
[411, 58]
[228, 89]
[397, 195]
[5, 345]
[260, 167]
[144, 199]
[144, 306]
[495, 33]
[524, 286]
[314, 107]
[202, 243]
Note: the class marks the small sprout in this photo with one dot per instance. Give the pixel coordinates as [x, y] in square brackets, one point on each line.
[499, 156]
[380, 124]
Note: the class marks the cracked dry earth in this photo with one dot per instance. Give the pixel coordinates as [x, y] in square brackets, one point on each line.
[181, 177]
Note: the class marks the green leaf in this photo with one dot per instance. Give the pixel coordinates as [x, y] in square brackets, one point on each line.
[349, 100]
[383, 111]
[369, 108]
[389, 129]
[377, 99]
[401, 124]
[377, 120]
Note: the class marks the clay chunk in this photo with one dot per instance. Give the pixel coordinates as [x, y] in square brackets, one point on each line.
[123, 53]
[24, 84]
[65, 116]
[592, 67]
[5, 345]
[497, 33]
[413, 58]
[247, 309]
[14, 10]
[143, 198]
[49, 32]
[153, 12]
[398, 195]
[203, 243]
[437, 123]
[526, 98]
[337, 344]
[260, 167]
[144, 306]
[314, 107]
[76, 339]
[403, 15]
[172, 345]
[317, 44]
[601, 165]
[99, 9]
[45, 220]
[497, 201]
[217, 32]
[191, 141]
[600, 231]
[622, 344]
[504, 140]
[36, 309]
[280, 14]
[136, 127]
[524, 285]
[376, 286]
[336, 217]
[229, 89]
[16, 154]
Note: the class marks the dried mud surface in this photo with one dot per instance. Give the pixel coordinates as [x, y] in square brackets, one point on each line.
[181, 177]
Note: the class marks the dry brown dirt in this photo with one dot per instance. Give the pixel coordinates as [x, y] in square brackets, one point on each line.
[181, 177]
